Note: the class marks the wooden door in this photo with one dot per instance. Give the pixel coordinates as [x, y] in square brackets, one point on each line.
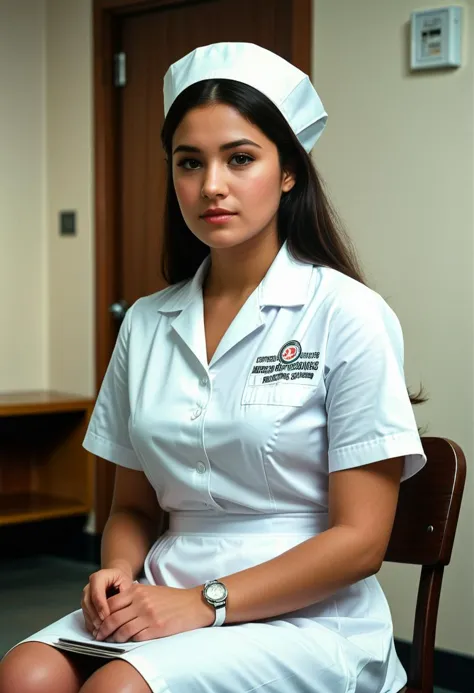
[130, 167]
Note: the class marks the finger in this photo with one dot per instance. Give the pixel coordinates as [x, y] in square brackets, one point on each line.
[120, 601]
[85, 611]
[128, 631]
[88, 623]
[145, 634]
[87, 619]
[91, 611]
[115, 621]
[86, 599]
[98, 587]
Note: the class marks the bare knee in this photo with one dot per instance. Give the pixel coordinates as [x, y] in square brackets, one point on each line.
[117, 676]
[37, 668]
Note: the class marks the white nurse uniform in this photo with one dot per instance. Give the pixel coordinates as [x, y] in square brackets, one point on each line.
[307, 380]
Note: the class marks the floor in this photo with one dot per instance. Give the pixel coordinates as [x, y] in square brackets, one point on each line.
[39, 590]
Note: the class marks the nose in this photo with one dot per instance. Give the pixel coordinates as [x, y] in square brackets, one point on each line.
[214, 183]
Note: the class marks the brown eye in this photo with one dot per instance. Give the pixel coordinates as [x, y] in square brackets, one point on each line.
[243, 159]
[191, 163]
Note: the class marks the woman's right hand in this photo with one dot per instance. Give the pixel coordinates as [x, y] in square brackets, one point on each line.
[102, 584]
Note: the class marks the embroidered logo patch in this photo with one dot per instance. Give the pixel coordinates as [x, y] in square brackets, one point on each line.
[291, 363]
[290, 352]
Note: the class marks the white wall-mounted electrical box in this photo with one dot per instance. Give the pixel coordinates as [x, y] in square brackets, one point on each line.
[436, 38]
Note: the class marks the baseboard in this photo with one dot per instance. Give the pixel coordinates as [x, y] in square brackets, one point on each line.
[452, 670]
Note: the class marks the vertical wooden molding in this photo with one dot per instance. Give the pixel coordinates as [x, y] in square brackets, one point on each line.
[302, 34]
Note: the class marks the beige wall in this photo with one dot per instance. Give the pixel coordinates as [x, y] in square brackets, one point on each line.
[398, 156]
[70, 186]
[46, 281]
[24, 330]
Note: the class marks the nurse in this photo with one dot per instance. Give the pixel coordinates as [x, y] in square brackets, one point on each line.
[260, 400]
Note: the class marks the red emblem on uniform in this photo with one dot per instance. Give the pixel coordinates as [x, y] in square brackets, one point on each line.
[289, 352]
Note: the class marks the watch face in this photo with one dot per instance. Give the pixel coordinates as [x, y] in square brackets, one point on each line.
[216, 592]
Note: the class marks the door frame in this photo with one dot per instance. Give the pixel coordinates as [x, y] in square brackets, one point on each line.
[106, 15]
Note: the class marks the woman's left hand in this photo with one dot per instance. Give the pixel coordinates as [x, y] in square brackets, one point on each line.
[144, 612]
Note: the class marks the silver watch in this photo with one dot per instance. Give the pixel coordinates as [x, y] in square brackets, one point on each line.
[215, 594]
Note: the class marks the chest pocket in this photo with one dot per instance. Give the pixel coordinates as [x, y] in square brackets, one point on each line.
[278, 394]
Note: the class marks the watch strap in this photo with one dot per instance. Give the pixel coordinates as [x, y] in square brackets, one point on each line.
[220, 615]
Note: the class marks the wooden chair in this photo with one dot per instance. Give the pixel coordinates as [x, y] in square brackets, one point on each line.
[423, 534]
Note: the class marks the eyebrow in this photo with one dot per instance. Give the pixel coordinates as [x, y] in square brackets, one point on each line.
[222, 148]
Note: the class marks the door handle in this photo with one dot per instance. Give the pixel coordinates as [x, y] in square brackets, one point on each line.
[118, 309]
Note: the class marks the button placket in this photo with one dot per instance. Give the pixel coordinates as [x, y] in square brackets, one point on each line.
[201, 406]
[202, 468]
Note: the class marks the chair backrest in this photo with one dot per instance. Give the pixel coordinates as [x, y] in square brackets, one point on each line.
[423, 534]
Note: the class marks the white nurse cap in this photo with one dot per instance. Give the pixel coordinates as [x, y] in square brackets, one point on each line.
[288, 87]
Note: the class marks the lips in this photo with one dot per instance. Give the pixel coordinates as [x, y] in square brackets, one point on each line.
[218, 212]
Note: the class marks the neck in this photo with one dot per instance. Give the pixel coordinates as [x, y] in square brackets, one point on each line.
[236, 272]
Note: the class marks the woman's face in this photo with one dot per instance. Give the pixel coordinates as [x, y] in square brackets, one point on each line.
[220, 160]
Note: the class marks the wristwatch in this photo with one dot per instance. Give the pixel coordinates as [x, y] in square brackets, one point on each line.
[215, 594]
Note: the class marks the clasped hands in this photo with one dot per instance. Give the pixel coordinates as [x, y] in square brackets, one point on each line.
[140, 612]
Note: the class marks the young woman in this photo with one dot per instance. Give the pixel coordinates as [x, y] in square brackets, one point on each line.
[260, 400]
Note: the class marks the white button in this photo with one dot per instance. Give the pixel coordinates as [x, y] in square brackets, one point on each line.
[201, 467]
[204, 382]
[196, 413]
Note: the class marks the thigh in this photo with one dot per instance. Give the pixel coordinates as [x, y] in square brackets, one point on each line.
[35, 667]
[117, 676]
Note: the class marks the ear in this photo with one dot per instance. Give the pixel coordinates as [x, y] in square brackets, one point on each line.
[288, 181]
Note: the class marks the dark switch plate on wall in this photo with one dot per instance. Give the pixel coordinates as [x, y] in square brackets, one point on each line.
[67, 223]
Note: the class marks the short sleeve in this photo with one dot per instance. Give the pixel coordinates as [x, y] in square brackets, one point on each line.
[108, 432]
[369, 414]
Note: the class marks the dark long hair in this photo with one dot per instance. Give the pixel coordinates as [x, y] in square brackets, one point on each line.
[306, 218]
